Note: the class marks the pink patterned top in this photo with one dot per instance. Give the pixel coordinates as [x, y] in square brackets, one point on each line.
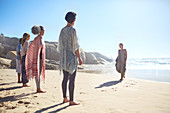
[33, 58]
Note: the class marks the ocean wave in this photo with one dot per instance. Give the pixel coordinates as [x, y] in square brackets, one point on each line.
[143, 63]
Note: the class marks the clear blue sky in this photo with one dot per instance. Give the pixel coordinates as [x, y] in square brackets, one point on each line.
[142, 25]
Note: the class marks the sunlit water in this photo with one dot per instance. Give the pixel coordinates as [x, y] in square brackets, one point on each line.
[156, 69]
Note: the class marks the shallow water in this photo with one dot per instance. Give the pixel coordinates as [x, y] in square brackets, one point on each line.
[144, 71]
[149, 74]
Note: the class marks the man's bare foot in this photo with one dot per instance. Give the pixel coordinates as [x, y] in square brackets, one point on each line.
[40, 91]
[65, 100]
[73, 103]
[25, 85]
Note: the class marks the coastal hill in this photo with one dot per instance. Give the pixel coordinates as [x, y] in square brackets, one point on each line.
[8, 54]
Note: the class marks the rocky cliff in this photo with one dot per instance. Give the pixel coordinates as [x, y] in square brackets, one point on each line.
[8, 51]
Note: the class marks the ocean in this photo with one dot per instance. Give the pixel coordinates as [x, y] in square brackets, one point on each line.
[155, 69]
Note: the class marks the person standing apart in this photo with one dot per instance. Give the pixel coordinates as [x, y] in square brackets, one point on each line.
[68, 47]
[25, 45]
[35, 59]
[121, 61]
[19, 61]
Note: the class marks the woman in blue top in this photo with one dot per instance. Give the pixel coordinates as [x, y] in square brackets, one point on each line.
[19, 60]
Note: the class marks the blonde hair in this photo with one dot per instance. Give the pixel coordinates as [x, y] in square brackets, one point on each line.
[25, 36]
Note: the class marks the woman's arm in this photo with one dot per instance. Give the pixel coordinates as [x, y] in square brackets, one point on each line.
[19, 53]
[20, 57]
[126, 56]
[79, 57]
[26, 46]
[76, 46]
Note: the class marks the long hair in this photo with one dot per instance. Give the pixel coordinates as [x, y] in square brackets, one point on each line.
[20, 40]
[25, 36]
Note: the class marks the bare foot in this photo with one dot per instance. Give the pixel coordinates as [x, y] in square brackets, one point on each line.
[25, 85]
[73, 103]
[19, 82]
[40, 91]
[65, 100]
[121, 79]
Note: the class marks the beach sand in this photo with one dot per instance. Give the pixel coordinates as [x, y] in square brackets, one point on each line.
[97, 93]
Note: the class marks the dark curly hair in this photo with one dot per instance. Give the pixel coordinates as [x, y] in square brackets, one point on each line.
[70, 17]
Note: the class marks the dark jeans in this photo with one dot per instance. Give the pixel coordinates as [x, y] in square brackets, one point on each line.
[24, 77]
[71, 78]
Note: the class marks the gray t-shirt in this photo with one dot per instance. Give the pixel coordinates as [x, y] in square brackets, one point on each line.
[24, 48]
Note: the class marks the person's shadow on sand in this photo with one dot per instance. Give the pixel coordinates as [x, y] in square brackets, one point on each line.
[15, 98]
[7, 83]
[11, 88]
[107, 84]
[44, 109]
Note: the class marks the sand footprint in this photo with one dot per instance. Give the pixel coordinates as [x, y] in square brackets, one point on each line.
[27, 103]
[9, 106]
[103, 90]
[133, 81]
[130, 83]
[27, 112]
[114, 89]
[22, 102]
[35, 96]
[82, 93]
